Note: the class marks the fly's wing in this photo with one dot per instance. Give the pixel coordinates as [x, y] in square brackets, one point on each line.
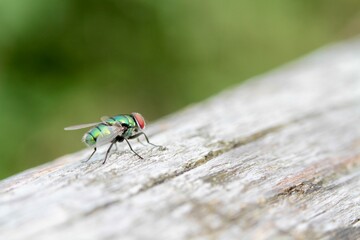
[111, 134]
[81, 126]
[104, 118]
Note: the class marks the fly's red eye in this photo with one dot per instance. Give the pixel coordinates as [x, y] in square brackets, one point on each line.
[139, 119]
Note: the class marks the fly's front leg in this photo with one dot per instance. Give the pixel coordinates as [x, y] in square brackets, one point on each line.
[138, 140]
[147, 139]
[133, 149]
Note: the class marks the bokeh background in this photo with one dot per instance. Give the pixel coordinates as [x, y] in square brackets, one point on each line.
[65, 62]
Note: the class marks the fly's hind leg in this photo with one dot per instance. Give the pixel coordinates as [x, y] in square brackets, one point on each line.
[91, 155]
[107, 152]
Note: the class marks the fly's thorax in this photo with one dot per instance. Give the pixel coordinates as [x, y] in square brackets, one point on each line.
[124, 119]
[130, 132]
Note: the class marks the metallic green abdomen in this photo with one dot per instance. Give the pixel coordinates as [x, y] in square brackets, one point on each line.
[91, 136]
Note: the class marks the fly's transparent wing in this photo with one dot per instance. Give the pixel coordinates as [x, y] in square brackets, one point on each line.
[109, 135]
[81, 126]
[104, 118]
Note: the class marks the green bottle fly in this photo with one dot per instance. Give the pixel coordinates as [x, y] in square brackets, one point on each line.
[113, 129]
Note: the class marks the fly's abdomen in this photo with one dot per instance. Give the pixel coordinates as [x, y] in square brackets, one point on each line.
[90, 138]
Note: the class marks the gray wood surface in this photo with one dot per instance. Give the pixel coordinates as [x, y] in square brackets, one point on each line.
[275, 158]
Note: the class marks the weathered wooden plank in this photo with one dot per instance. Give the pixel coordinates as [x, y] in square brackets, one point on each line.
[276, 157]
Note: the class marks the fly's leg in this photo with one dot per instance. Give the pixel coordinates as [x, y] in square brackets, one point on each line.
[91, 155]
[147, 139]
[133, 149]
[107, 152]
[138, 140]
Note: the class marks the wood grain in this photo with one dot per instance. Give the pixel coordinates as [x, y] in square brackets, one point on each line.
[277, 157]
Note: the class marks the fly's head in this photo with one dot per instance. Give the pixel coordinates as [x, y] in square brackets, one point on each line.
[140, 121]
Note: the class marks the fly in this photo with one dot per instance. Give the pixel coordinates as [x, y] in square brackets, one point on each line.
[112, 130]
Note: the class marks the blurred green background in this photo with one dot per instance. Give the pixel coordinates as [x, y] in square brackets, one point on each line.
[65, 62]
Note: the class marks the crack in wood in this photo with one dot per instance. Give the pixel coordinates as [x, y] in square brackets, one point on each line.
[348, 233]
